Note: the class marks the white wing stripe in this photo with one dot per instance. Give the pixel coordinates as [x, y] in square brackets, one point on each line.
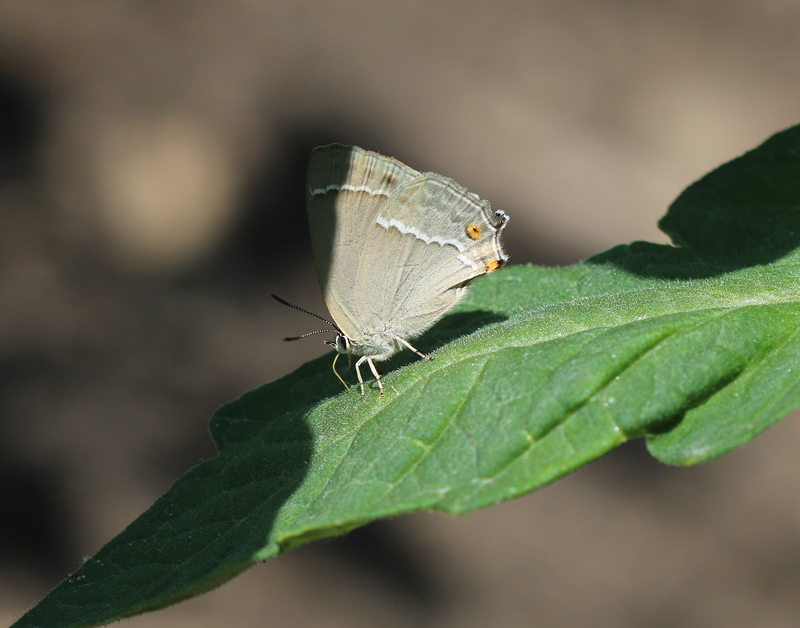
[402, 228]
[351, 188]
[463, 259]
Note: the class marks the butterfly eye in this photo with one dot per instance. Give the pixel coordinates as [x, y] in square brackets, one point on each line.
[342, 343]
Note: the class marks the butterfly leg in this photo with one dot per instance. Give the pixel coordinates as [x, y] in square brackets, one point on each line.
[376, 374]
[374, 370]
[417, 351]
[358, 372]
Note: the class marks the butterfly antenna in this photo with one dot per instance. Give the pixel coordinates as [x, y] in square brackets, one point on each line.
[297, 307]
[319, 331]
[311, 333]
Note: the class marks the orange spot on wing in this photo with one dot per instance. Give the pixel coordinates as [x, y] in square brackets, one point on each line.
[473, 231]
[493, 264]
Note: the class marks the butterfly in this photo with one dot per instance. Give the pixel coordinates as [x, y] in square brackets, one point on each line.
[395, 250]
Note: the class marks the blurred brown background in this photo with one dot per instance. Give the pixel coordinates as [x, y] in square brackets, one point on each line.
[151, 165]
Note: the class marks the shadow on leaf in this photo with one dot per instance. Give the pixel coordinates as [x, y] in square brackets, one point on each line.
[744, 213]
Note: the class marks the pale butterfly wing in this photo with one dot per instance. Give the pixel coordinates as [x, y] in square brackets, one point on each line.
[438, 237]
[394, 248]
[345, 188]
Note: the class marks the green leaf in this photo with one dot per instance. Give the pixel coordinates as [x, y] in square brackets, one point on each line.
[538, 372]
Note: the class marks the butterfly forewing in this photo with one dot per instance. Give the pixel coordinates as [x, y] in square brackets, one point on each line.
[346, 186]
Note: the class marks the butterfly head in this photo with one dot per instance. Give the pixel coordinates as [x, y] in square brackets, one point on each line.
[341, 343]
